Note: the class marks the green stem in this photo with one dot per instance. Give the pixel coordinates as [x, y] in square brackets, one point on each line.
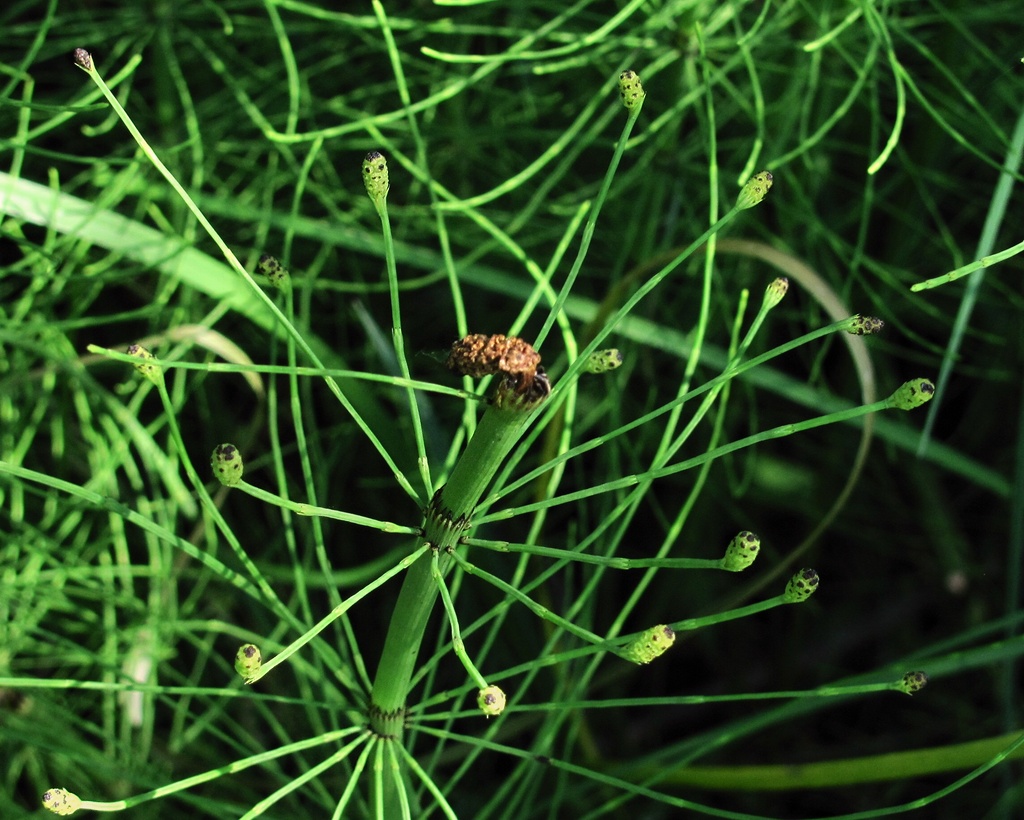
[445, 522]
[902, 765]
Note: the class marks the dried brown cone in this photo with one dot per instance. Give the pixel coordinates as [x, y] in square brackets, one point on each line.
[479, 355]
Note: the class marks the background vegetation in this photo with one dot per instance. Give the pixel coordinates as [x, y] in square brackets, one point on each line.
[886, 126]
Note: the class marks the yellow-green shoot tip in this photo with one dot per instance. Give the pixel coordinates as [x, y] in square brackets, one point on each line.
[144, 367]
[227, 464]
[650, 644]
[801, 586]
[741, 552]
[272, 268]
[755, 190]
[912, 394]
[491, 701]
[912, 682]
[631, 90]
[601, 361]
[61, 801]
[248, 661]
[375, 177]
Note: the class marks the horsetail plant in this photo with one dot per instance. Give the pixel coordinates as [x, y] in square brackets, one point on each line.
[379, 715]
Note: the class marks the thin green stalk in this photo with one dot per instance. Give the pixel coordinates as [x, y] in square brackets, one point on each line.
[537, 609]
[231, 768]
[313, 511]
[319, 541]
[85, 61]
[270, 596]
[334, 614]
[145, 523]
[287, 370]
[732, 369]
[300, 780]
[907, 764]
[993, 221]
[612, 562]
[357, 772]
[428, 782]
[781, 431]
[453, 619]
[377, 185]
[595, 210]
[970, 267]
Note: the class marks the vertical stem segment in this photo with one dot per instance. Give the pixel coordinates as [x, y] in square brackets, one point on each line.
[446, 519]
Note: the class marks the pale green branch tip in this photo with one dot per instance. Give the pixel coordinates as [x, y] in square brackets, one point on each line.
[741, 552]
[650, 644]
[248, 661]
[272, 268]
[801, 586]
[375, 176]
[227, 464]
[144, 367]
[912, 394]
[755, 190]
[601, 361]
[775, 291]
[912, 682]
[61, 801]
[491, 701]
[631, 90]
[864, 325]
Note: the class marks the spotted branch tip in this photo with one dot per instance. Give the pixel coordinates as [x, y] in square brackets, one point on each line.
[227, 464]
[491, 701]
[912, 394]
[601, 361]
[375, 176]
[801, 586]
[272, 268]
[650, 644]
[913, 682]
[865, 325]
[144, 366]
[631, 90]
[61, 801]
[741, 552]
[755, 190]
[248, 661]
[83, 59]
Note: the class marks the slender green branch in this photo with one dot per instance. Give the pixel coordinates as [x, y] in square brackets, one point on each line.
[377, 179]
[970, 267]
[84, 60]
[611, 562]
[58, 797]
[453, 619]
[633, 97]
[529, 603]
[336, 613]
[311, 510]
